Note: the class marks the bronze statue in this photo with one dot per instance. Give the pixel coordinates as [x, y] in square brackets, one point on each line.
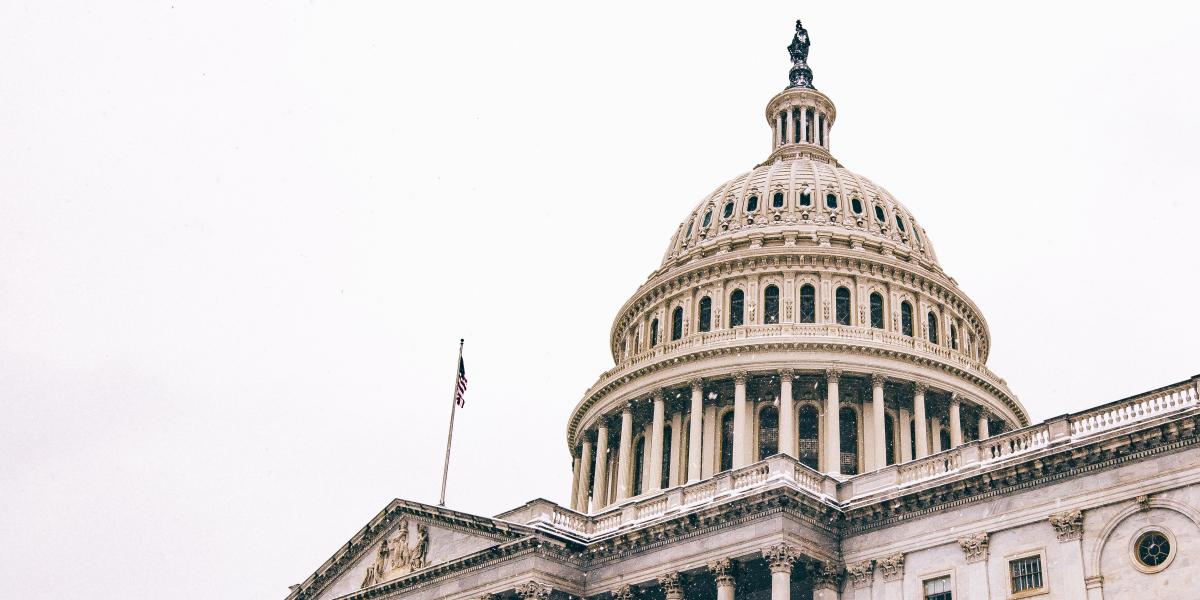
[800, 75]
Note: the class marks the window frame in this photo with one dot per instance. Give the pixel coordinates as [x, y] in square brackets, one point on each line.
[741, 308]
[781, 198]
[766, 300]
[1023, 554]
[882, 312]
[800, 302]
[1133, 549]
[907, 327]
[756, 199]
[924, 578]
[837, 306]
[703, 320]
[677, 332]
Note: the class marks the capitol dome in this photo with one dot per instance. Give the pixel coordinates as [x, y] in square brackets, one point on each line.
[799, 309]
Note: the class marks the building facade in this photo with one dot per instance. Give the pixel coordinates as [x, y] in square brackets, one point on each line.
[800, 407]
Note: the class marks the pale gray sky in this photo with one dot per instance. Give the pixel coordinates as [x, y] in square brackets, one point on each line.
[239, 241]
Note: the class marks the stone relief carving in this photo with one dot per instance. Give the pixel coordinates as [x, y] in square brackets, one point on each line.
[824, 575]
[892, 567]
[1068, 525]
[861, 573]
[624, 592]
[533, 590]
[395, 557]
[780, 557]
[975, 547]
[672, 585]
[722, 570]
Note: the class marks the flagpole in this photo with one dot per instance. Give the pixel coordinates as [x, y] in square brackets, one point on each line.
[450, 434]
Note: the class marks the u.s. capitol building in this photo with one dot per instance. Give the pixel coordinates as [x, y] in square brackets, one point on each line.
[801, 408]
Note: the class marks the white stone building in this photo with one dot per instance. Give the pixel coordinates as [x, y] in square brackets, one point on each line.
[801, 408]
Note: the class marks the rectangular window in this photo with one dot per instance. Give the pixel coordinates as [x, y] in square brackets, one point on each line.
[938, 589]
[1026, 573]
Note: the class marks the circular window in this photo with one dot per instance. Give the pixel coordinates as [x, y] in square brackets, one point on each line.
[1152, 549]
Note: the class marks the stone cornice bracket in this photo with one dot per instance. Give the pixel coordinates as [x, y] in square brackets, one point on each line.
[672, 585]
[697, 384]
[787, 373]
[533, 590]
[722, 570]
[780, 557]
[624, 592]
[832, 375]
[920, 387]
[740, 376]
[975, 547]
[861, 573]
[824, 576]
[892, 567]
[878, 379]
[1068, 525]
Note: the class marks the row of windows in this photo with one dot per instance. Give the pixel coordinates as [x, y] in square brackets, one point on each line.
[777, 201]
[808, 313]
[1024, 576]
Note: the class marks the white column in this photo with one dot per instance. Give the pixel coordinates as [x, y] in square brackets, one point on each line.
[804, 124]
[624, 453]
[780, 558]
[585, 474]
[877, 409]
[790, 126]
[655, 456]
[922, 423]
[955, 422]
[983, 424]
[833, 430]
[600, 488]
[722, 570]
[905, 453]
[779, 131]
[696, 433]
[866, 440]
[575, 483]
[708, 453]
[740, 418]
[787, 414]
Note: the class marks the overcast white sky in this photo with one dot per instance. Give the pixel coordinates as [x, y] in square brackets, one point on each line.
[239, 241]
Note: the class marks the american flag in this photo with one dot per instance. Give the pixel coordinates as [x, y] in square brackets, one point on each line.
[460, 387]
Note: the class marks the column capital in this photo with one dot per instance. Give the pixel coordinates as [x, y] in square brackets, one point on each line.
[1068, 525]
[697, 384]
[824, 575]
[533, 590]
[984, 413]
[740, 376]
[833, 374]
[920, 387]
[780, 557]
[671, 585]
[627, 407]
[787, 373]
[722, 570]
[623, 593]
[861, 573]
[955, 399]
[659, 394]
[892, 567]
[878, 379]
[975, 547]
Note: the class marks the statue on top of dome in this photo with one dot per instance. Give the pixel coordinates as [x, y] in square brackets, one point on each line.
[800, 75]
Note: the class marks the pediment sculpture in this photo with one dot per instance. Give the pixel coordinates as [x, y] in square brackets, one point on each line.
[396, 557]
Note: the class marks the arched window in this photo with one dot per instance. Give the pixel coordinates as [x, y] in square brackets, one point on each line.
[768, 432]
[727, 441]
[771, 305]
[751, 204]
[856, 206]
[737, 308]
[889, 435]
[831, 200]
[809, 448]
[805, 199]
[876, 310]
[842, 302]
[808, 304]
[906, 323]
[944, 436]
[677, 323]
[665, 482]
[849, 425]
[654, 333]
[879, 216]
[728, 210]
[953, 336]
[777, 200]
[933, 330]
[705, 313]
[639, 457]
[900, 223]
[707, 218]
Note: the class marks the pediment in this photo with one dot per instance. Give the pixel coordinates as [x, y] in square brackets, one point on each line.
[405, 538]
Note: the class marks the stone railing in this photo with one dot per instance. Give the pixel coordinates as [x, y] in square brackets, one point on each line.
[931, 466]
[1015, 442]
[1181, 396]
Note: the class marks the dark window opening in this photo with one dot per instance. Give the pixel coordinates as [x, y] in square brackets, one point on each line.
[879, 216]
[728, 210]
[639, 459]
[777, 200]
[953, 336]
[768, 432]
[809, 449]
[906, 322]
[665, 482]
[707, 218]
[808, 304]
[831, 200]
[677, 323]
[944, 438]
[900, 223]
[856, 206]
[705, 313]
[727, 441]
[876, 310]
[752, 204]
[805, 199]
[848, 420]
[933, 328]
[771, 305]
[737, 302]
[1026, 574]
[842, 300]
[654, 333]
[889, 436]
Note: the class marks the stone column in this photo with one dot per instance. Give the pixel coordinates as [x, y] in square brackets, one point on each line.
[983, 424]
[922, 423]
[740, 420]
[833, 430]
[575, 483]
[696, 433]
[935, 435]
[891, 567]
[722, 570]
[600, 488]
[826, 580]
[655, 455]
[879, 418]
[780, 558]
[905, 453]
[787, 414]
[779, 130]
[1068, 527]
[585, 473]
[804, 124]
[671, 585]
[955, 422]
[625, 453]
[790, 126]
[975, 550]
